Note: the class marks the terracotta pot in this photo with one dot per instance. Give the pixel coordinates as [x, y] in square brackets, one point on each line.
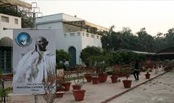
[114, 74]
[114, 79]
[88, 77]
[76, 87]
[66, 85]
[79, 95]
[60, 89]
[147, 76]
[102, 77]
[127, 83]
[95, 80]
[120, 74]
[59, 94]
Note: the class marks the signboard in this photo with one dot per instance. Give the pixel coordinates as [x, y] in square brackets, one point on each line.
[34, 61]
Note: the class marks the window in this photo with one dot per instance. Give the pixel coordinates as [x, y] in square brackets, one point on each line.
[16, 21]
[72, 34]
[92, 36]
[78, 33]
[87, 35]
[5, 60]
[65, 35]
[97, 37]
[4, 19]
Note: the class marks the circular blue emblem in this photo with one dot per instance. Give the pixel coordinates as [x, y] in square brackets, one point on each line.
[23, 39]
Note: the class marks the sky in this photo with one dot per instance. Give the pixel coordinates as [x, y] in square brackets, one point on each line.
[155, 15]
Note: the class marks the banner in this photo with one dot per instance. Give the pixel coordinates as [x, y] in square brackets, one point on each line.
[34, 61]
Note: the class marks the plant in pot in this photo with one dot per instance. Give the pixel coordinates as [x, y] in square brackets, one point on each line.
[127, 71]
[116, 70]
[60, 89]
[101, 66]
[147, 75]
[78, 93]
[67, 79]
[149, 65]
[88, 73]
[114, 75]
[101, 70]
[79, 78]
[93, 76]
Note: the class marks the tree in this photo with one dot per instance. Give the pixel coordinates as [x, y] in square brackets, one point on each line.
[169, 38]
[160, 42]
[61, 56]
[145, 41]
[90, 51]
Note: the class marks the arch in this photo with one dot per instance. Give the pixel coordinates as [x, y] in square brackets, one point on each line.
[6, 42]
[72, 52]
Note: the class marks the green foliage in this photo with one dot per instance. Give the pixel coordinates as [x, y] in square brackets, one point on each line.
[61, 56]
[88, 52]
[4, 92]
[79, 78]
[127, 71]
[122, 57]
[141, 41]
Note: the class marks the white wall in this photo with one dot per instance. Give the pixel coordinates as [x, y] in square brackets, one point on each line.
[11, 25]
[49, 19]
[65, 38]
[73, 39]
[70, 18]
[89, 41]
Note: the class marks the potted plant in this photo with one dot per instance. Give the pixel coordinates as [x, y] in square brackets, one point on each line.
[88, 74]
[88, 77]
[114, 75]
[59, 87]
[127, 71]
[78, 93]
[67, 79]
[101, 70]
[95, 79]
[79, 78]
[149, 66]
[147, 75]
[116, 71]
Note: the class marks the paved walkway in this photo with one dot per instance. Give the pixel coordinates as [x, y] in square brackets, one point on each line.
[159, 90]
[95, 93]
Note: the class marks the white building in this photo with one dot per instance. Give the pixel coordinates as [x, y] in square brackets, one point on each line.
[73, 34]
[6, 36]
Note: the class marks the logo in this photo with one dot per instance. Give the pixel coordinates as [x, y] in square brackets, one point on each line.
[23, 39]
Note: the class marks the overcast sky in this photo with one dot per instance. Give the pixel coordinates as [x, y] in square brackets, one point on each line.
[155, 15]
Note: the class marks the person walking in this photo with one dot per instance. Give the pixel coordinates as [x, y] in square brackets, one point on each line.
[136, 70]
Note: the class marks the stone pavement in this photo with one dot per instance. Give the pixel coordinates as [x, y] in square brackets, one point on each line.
[158, 90]
[95, 93]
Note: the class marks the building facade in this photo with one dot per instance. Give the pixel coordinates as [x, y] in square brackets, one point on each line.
[72, 34]
[7, 23]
